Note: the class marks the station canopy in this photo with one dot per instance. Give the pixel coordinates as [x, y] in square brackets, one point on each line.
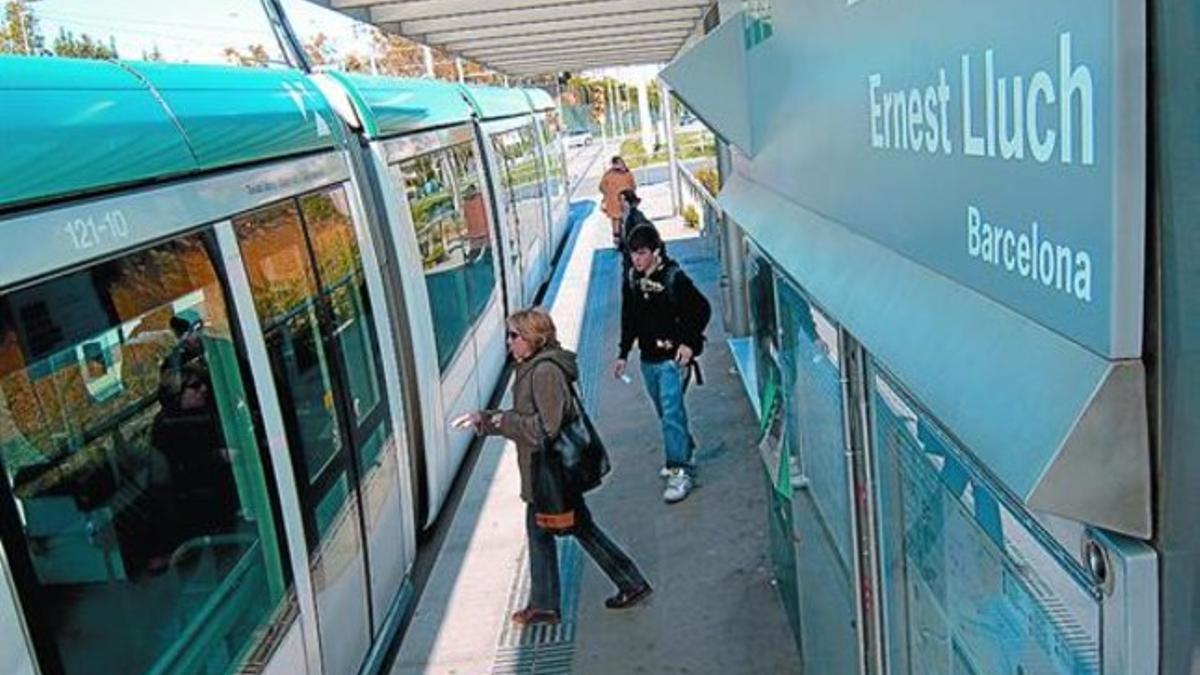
[531, 37]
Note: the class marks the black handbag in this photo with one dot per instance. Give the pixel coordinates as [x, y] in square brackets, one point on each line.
[554, 502]
[566, 466]
[583, 456]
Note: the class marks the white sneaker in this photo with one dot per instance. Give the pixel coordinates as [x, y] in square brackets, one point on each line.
[664, 473]
[679, 484]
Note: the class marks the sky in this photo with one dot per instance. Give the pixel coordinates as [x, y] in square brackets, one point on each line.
[199, 32]
[196, 32]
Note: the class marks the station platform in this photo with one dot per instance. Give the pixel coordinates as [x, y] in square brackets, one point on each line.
[714, 607]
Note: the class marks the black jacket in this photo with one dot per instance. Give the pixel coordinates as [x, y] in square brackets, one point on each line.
[662, 311]
[633, 220]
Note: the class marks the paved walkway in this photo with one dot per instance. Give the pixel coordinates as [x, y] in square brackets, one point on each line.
[714, 610]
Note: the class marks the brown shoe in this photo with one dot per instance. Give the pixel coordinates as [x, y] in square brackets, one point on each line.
[628, 598]
[532, 615]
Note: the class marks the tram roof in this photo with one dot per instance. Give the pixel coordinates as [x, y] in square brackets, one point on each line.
[389, 106]
[496, 102]
[539, 100]
[528, 37]
[76, 126]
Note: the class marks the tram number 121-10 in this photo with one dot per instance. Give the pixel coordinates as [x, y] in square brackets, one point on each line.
[89, 232]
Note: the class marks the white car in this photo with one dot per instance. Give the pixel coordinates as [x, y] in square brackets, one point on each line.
[577, 138]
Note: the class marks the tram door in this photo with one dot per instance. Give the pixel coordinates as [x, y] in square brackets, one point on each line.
[306, 277]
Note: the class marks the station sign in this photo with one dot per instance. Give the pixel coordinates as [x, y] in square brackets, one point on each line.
[999, 143]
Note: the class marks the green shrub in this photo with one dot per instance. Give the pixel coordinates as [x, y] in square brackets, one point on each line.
[691, 216]
[708, 178]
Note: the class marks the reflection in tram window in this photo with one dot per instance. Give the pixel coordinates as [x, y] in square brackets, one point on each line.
[969, 583]
[449, 214]
[133, 473]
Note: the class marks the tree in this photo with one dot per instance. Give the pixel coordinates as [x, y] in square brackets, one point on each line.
[84, 46]
[354, 63]
[319, 51]
[153, 55]
[19, 32]
[398, 56]
[257, 56]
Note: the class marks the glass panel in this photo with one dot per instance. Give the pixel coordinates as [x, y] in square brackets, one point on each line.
[812, 385]
[298, 335]
[528, 179]
[444, 242]
[762, 318]
[131, 461]
[481, 272]
[970, 583]
[815, 430]
[339, 268]
[284, 288]
[508, 198]
[556, 171]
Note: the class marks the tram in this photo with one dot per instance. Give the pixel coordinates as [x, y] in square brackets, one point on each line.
[238, 308]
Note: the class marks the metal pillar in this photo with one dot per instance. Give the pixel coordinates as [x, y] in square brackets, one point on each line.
[427, 57]
[673, 161]
[616, 109]
[626, 104]
[459, 69]
[647, 124]
[604, 121]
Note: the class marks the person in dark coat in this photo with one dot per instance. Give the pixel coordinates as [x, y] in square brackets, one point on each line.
[632, 218]
[542, 404]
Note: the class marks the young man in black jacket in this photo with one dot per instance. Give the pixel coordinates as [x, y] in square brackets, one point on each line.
[664, 313]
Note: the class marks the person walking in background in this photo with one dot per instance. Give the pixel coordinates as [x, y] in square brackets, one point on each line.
[542, 406]
[665, 314]
[616, 179]
[631, 219]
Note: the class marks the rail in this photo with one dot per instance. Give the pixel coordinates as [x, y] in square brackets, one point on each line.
[699, 191]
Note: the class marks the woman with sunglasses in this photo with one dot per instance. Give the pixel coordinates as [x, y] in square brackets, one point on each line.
[545, 373]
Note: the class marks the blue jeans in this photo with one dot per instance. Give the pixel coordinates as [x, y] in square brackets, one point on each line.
[666, 382]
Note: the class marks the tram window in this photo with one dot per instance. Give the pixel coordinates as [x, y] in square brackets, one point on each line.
[529, 177]
[556, 172]
[135, 492]
[480, 272]
[339, 267]
[282, 279]
[523, 181]
[284, 289]
[453, 234]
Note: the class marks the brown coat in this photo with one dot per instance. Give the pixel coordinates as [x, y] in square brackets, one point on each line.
[537, 380]
[611, 186]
